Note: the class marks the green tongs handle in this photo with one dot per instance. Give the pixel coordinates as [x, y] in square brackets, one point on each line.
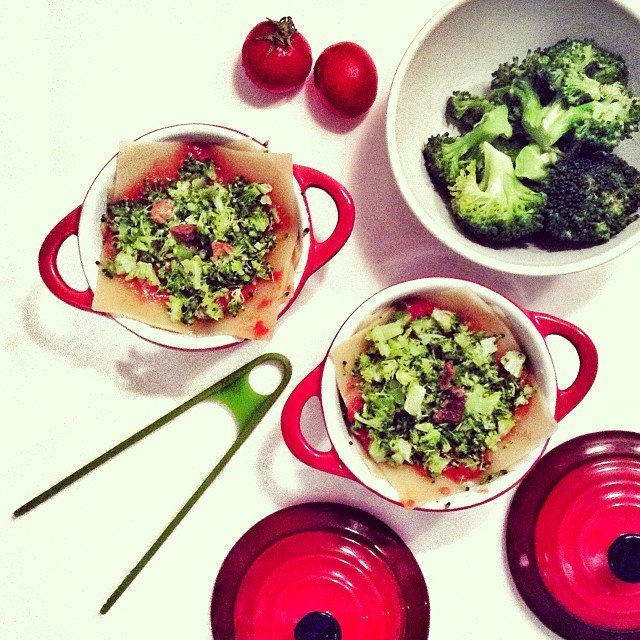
[248, 407]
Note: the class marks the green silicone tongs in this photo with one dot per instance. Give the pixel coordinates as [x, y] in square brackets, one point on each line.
[247, 406]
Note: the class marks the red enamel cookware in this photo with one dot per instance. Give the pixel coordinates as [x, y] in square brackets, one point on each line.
[573, 537]
[84, 223]
[320, 571]
[530, 329]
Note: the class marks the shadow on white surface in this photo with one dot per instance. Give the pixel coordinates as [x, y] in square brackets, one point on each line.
[252, 95]
[100, 344]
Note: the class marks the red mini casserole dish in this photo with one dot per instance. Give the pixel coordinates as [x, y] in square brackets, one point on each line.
[85, 223]
[348, 459]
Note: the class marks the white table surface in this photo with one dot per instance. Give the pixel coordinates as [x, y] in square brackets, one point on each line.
[79, 76]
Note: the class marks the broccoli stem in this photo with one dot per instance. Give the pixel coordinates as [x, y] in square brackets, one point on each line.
[499, 180]
[533, 162]
[493, 123]
[547, 124]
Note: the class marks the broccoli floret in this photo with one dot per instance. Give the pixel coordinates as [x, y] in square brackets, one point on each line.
[445, 156]
[503, 77]
[565, 103]
[467, 109]
[573, 92]
[600, 124]
[533, 162]
[591, 197]
[577, 69]
[573, 68]
[500, 208]
[615, 117]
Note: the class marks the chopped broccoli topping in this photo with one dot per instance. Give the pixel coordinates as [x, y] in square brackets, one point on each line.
[433, 393]
[213, 241]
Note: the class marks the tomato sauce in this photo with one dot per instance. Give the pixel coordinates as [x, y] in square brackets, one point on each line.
[363, 437]
[355, 406]
[418, 307]
[462, 473]
[147, 291]
[260, 329]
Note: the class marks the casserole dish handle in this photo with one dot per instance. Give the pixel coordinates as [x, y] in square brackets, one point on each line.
[327, 461]
[321, 252]
[569, 398]
[48, 262]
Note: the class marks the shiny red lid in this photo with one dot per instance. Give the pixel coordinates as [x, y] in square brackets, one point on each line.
[573, 537]
[320, 571]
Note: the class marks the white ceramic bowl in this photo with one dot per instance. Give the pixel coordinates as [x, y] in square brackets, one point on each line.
[458, 49]
[84, 222]
[530, 328]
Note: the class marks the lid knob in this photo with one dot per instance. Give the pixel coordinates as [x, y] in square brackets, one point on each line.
[624, 557]
[317, 626]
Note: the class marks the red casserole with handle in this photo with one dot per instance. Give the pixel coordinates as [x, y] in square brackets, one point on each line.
[84, 223]
[531, 328]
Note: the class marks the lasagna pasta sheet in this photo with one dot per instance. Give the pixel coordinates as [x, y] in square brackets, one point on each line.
[138, 161]
[535, 424]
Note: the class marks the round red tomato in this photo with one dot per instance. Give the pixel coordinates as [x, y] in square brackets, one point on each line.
[346, 79]
[275, 56]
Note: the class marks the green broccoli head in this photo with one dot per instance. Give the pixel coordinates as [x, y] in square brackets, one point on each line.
[577, 69]
[591, 197]
[573, 68]
[445, 156]
[572, 92]
[467, 109]
[503, 77]
[600, 124]
[498, 209]
[611, 119]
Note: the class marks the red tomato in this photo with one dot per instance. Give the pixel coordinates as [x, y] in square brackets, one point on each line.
[275, 56]
[346, 79]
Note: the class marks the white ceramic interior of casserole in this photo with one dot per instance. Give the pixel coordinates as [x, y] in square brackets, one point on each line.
[458, 49]
[527, 336]
[90, 239]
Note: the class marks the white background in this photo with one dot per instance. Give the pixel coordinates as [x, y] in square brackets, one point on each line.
[78, 76]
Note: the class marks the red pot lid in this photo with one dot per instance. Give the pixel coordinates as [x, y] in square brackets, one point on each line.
[320, 571]
[573, 538]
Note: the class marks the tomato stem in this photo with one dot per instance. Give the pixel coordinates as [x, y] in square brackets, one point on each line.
[283, 31]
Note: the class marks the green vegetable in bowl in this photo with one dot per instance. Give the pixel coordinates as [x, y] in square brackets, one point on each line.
[498, 207]
[591, 198]
[575, 69]
[562, 104]
[198, 240]
[600, 124]
[446, 156]
[467, 108]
